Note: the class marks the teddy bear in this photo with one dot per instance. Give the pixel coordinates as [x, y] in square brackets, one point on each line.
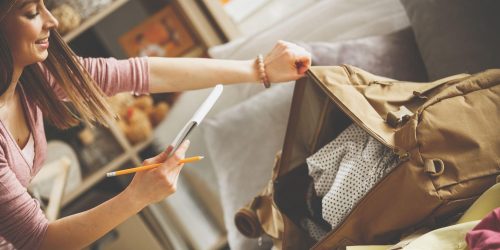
[138, 115]
[156, 113]
[136, 125]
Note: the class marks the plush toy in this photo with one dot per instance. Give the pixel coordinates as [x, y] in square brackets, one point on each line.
[144, 103]
[159, 113]
[156, 113]
[120, 102]
[138, 115]
[68, 18]
[136, 125]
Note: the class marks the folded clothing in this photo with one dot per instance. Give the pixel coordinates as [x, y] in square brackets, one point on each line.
[346, 169]
[486, 235]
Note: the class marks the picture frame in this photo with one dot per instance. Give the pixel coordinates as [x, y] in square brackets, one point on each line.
[163, 34]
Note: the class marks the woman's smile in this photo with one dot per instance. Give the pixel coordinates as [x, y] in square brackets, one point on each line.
[43, 43]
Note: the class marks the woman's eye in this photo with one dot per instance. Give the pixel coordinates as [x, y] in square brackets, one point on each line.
[32, 15]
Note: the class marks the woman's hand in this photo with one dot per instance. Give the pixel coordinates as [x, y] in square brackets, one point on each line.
[286, 62]
[79, 230]
[154, 185]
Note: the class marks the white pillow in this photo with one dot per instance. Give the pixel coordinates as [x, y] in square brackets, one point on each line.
[242, 142]
[326, 21]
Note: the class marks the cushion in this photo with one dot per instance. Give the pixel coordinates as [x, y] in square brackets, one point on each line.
[456, 36]
[242, 142]
[394, 55]
[327, 21]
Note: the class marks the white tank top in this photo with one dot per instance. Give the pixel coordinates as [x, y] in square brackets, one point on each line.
[29, 150]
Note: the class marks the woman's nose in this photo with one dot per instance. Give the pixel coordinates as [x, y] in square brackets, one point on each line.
[50, 22]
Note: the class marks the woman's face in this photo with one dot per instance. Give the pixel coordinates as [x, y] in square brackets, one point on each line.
[27, 29]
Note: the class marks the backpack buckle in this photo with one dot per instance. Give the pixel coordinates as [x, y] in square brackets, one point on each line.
[397, 118]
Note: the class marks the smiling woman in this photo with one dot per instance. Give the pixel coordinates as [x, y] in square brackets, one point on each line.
[31, 28]
[33, 42]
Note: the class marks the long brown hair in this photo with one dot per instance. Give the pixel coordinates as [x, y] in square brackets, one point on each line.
[85, 97]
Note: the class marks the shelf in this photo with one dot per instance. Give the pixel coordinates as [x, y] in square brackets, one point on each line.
[97, 176]
[199, 22]
[223, 20]
[94, 19]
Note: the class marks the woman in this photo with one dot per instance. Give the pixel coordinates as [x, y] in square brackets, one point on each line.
[40, 75]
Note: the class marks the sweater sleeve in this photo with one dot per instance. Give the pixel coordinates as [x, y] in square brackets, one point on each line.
[112, 76]
[22, 222]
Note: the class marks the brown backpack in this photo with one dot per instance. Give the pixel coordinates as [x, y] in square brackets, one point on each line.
[446, 133]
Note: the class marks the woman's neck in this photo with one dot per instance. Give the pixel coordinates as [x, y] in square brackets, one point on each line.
[9, 94]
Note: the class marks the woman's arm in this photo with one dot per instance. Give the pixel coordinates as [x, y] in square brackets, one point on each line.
[286, 62]
[80, 230]
[178, 74]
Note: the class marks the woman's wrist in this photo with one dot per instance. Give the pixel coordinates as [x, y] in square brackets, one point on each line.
[134, 199]
[253, 71]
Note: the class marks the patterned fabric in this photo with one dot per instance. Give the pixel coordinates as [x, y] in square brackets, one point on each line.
[346, 169]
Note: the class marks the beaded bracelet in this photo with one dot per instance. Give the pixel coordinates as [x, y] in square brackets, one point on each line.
[262, 71]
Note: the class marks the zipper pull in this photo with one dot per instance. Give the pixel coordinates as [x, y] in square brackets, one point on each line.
[420, 95]
[402, 155]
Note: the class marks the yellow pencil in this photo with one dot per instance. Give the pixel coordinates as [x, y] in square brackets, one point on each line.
[147, 167]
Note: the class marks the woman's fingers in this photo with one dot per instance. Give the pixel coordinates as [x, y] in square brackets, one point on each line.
[287, 61]
[178, 155]
[156, 184]
[303, 63]
[171, 168]
[302, 58]
[161, 157]
[169, 149]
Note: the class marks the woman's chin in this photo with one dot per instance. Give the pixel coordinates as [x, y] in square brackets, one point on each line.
[42, 57]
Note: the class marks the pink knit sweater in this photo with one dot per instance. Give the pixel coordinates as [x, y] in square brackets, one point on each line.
[22, 222]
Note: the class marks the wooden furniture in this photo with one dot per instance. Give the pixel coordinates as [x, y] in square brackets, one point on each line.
[156, 217]
[192, 13]
[87, 24]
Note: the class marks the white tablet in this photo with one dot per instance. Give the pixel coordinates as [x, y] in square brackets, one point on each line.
[197, 117]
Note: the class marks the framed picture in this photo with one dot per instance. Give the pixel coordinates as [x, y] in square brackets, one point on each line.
[163, 34]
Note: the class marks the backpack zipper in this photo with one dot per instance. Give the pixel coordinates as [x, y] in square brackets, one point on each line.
[355, 118]
[402, 155]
